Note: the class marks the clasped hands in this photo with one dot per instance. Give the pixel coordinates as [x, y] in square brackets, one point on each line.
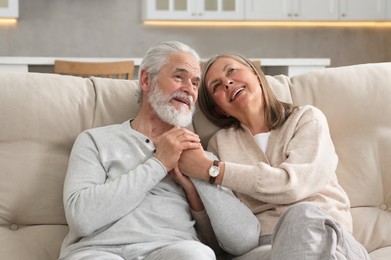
[181, 152]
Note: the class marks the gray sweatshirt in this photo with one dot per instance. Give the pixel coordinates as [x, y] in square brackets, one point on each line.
[117, 195]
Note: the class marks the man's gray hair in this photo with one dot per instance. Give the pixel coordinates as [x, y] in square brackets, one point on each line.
[157, 56]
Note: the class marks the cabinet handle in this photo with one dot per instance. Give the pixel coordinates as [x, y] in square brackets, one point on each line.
[343, 15]
[296, 15]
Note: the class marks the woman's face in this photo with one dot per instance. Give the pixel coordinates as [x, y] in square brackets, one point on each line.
[234, 87]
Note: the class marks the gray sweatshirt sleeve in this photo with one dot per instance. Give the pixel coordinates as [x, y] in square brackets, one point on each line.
[90, 201]
[237, 229]
[205, 231]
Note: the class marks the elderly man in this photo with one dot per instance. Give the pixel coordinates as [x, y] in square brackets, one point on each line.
[124, 196]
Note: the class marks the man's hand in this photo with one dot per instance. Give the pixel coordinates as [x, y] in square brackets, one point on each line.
[190, 190]
[171, 144]
[182, 180]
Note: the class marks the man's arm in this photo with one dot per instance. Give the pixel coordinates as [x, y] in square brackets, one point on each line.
[203, 225]
[90, 201]
[236, 227]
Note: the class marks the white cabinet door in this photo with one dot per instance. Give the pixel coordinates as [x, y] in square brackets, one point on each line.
[362, 10]
[283, 10]
[388, 15]
[315, 10]
[267, 10]
[168, 9]
[193, 9]
[220, 9]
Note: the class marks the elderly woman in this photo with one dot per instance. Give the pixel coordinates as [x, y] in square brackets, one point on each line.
[278, 159]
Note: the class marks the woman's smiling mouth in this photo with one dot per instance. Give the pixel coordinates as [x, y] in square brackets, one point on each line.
[236, 92]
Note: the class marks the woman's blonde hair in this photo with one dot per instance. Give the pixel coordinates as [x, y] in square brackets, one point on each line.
[276, 112]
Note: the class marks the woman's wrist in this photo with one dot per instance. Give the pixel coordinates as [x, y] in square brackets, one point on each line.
[219, 178]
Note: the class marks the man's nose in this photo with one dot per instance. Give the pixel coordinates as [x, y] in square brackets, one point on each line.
[190, 88]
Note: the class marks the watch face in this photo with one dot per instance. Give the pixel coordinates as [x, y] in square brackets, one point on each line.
[214, 171]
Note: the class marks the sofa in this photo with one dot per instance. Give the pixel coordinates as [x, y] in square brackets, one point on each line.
[41, 114]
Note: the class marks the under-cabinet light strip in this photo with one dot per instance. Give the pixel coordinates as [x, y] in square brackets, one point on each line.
[269, 23]
[8, 21]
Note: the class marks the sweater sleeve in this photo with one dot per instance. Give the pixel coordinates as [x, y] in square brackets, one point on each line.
[307, 163]
[90, 201]
[205, 231]
[236, 227]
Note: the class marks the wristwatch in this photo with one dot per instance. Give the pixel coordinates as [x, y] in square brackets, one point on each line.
[214, 171]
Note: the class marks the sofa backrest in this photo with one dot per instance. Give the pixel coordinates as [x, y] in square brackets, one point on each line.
[42, 114]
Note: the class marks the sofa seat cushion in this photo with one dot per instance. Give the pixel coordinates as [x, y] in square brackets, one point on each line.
[381, 254]
[32, 242]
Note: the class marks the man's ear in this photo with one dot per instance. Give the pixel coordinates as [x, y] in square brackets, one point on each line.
[220, 111]
[145, 81]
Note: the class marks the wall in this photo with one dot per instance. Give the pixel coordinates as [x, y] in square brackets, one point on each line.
[100, 28]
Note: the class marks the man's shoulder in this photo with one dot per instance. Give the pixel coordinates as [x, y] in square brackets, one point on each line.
[104, 130]
[108, 128]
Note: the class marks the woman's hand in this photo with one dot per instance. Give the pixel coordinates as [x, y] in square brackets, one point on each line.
[194, 163]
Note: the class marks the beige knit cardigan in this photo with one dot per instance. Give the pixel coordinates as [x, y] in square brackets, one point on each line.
[299, 165]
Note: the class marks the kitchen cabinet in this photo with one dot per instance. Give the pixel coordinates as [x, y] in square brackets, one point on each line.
[193, 9]
[388, 14]
[267, 10]
[362, 10]
[285, 10]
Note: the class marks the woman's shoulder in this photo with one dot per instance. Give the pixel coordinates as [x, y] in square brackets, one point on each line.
[226, 132]
[309, 112]
[228, 135]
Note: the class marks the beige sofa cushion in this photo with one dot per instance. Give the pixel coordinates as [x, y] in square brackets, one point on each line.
[357, 103]
[41, 116]
[116, 102]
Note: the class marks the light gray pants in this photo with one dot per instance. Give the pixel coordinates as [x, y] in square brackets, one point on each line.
[181, 250]
[307, 232]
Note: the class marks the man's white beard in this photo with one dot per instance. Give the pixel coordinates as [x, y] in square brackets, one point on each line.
[166, 111]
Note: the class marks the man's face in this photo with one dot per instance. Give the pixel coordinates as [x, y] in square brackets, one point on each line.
[174, 95]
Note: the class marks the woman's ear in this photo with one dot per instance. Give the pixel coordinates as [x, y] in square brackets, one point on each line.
[221, 112]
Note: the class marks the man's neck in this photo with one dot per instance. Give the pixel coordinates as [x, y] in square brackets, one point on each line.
[150, 125]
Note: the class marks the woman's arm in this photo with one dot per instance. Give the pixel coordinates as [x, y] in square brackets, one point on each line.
[302, 160]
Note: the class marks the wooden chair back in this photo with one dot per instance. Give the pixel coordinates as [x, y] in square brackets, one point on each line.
[114, 70]
[257, 64]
